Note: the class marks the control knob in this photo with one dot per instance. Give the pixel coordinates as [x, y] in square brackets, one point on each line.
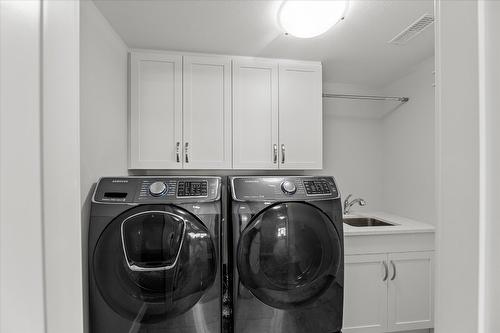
[157, 189]
[288, 187]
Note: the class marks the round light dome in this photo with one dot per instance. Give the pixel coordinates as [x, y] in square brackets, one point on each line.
[306, 19]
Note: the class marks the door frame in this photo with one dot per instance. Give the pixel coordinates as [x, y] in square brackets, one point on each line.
[43, 177]
[466, 163]
[22, 301]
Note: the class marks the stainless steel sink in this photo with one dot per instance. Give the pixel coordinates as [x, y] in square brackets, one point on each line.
[366, 222]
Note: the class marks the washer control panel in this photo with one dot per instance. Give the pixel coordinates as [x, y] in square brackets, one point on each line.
[283, 188]
[158, 189]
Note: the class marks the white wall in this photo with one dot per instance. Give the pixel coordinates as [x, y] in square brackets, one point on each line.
[103, 100]
[352, 144]
[21, 250]
[103, 110]
[382, 152]
[409, 147]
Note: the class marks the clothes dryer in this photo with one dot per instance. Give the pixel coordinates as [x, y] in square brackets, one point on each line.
[287, 254]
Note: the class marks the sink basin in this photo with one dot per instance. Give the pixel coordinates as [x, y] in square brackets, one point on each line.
[366, 222]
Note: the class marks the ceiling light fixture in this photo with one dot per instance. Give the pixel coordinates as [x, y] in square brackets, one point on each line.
[310, 18]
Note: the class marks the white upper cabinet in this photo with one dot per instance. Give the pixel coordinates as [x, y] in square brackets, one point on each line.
[207, 112]
[255, 114]
[300, 116]
[155, 111]
[410, 291]
[223, 112]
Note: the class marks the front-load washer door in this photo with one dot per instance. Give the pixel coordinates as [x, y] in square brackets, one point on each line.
[154, 262]
[289, 254]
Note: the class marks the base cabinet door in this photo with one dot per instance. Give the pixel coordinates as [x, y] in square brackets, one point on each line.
[155, 111]
[410, 291]
[365, 293]
[300, 116]
[207, 112]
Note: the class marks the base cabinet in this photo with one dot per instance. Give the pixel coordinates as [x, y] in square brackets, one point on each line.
[388, 292]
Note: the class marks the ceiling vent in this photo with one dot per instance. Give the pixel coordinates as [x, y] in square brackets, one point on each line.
[413, 30]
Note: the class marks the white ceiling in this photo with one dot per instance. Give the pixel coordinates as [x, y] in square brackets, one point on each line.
[355, 51]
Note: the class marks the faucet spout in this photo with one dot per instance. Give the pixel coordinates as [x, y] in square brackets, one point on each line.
[348, 204]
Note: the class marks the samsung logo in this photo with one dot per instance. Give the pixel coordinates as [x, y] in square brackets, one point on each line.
[119, 181]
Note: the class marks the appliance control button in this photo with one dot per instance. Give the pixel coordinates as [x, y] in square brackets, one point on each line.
[157, 189]
[288, 187]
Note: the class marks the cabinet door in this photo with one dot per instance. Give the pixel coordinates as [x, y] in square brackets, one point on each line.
[300, 116]
[207, 112]
[365, 293]
[255, 114]
[155, 131]
[410, 291]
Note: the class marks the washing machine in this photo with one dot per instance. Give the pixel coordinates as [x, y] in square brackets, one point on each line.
[287, 254]
[154, 255]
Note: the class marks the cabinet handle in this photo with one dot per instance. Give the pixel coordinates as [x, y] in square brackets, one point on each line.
[186, 148]
[177, 152]
[386, 269]
[275, 153]
[282, 154]
[393, 271]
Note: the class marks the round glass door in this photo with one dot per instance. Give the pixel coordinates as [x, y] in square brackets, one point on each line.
[289, 254]
[154, 262]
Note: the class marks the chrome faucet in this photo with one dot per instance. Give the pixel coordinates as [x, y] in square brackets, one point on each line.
[348, 204]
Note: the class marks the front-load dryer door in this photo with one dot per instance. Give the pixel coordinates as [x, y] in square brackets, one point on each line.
[289, 254]
[154, 262]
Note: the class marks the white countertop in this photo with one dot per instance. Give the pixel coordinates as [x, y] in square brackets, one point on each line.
[401, 225]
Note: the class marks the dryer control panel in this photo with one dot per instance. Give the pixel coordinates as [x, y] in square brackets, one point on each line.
[317, 186]
[286, 188]
[157, 189]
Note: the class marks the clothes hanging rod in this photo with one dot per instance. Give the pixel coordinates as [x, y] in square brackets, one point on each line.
[368, 97]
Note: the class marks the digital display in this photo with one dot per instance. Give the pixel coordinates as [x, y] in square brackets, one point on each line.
[317, 187]
[115, 195]
[192, 189]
